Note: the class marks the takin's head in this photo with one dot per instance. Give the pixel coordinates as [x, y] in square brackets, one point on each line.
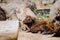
[29, 20]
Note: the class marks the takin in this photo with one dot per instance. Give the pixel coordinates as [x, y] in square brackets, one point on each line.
[38, 25]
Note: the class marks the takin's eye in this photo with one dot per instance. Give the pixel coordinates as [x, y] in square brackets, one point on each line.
[57, 18]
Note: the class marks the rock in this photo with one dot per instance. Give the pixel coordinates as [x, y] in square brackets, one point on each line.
[8, 30]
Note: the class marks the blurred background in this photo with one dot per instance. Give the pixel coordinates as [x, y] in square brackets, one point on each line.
[43, 7]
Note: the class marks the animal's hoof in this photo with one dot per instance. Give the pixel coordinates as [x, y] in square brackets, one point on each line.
[46, 33]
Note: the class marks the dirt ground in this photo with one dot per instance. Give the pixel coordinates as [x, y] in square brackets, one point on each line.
[29, 36]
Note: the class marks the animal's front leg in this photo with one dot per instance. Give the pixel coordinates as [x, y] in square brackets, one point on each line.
[28, 29]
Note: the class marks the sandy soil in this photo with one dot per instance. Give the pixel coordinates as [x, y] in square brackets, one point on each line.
[29, 36]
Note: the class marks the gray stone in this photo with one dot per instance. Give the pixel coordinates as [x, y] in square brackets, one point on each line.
[8, 29]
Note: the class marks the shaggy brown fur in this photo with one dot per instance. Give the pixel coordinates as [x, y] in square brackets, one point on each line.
[37, 25]
[42, 26]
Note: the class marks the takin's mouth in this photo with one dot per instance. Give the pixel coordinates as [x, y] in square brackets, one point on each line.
[57, 18]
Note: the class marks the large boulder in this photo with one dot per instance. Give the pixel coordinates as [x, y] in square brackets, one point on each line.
[9, 30]
[18, 10]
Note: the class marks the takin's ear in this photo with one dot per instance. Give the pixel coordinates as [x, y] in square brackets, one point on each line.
[33, 18]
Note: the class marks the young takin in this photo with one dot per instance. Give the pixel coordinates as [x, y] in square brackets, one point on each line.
[37, 25]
